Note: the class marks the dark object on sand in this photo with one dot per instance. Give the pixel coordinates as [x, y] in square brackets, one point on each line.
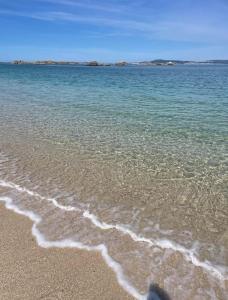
[157, 293]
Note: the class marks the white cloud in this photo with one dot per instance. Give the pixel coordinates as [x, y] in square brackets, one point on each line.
[173, 28]
[101, 6]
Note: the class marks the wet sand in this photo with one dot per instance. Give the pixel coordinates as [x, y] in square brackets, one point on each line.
[30, 272]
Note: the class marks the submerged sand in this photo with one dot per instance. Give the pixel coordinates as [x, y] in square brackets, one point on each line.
[30, 272]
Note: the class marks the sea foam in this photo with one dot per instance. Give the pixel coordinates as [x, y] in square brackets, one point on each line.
[68, 243]
[190, 255]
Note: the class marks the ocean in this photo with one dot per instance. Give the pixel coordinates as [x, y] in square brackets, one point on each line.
[128, 161]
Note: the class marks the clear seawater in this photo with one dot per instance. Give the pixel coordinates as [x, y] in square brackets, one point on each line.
[130, 161]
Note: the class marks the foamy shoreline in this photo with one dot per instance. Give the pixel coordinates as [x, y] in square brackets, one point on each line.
[124, 168]
[188, 254]
[29, 271]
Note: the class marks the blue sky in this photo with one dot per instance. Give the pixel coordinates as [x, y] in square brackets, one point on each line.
[110, 30]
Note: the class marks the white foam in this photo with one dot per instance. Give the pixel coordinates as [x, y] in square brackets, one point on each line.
[189, 254]
[34, 194]
[67, 243]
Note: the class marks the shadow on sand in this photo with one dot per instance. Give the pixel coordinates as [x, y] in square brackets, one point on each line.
[157, 293]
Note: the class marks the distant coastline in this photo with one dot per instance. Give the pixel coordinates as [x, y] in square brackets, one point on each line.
[156, 62]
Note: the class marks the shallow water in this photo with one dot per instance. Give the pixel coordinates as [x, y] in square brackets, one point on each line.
[134, 159]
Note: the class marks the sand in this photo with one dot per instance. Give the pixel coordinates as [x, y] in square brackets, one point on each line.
[28, 271]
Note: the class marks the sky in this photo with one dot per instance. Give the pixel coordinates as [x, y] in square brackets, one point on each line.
[113, 30]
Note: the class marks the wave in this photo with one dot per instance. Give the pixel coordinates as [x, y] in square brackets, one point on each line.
[67, 243]
[189, 254]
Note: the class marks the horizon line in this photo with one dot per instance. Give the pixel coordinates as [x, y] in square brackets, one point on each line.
[118, 60]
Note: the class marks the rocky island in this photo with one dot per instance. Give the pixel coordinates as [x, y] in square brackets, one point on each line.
[156, 62]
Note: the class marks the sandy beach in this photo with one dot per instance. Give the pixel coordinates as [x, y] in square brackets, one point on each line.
[128, 163]
[30, 272]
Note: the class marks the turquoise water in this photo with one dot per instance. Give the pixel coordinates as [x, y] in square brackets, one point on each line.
[142, 147]
[186, 103]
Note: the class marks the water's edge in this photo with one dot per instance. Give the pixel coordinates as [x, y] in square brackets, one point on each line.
[188, 254]
[67, 243]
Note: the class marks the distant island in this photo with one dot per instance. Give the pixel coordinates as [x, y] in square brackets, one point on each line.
[156, 62]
